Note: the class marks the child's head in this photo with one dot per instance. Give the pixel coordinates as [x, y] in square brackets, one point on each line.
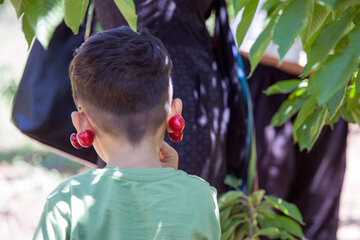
[121, 81]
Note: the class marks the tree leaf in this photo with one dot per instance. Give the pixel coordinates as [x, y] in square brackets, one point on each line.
[285, 207]
[347, 3]
[229, 198]
[28, 31]
[326, 40]
[127, 9]
[239, 4]
[309, 131]
[285, 86]
[74, 13]
[305, 111]
[335, 102]
[270, 232]
[246, 20]
[44, 16]
[287, 109]
[357, 81]
[230, 230]
[316, 20]
[232, 181]
[1, 1]
[286, 223]
[262, 42]
[257, 197]
[293, 20]
[330, 3]
[336, 71]
[21, 5]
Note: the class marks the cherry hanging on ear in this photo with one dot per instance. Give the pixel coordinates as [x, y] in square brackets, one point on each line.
[85, 138]
[176, 136]
[177, 123]
[74, 141]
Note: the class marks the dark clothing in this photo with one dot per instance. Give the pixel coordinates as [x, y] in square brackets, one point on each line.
[197, 80]
[313, 180]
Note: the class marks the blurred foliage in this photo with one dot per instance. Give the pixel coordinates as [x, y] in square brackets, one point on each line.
[45, 159]
[252, 217]
[8, 85]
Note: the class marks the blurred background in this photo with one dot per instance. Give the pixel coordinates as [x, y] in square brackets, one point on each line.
[29, 171]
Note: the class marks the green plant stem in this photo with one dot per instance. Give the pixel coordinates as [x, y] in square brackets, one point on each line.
[250, 221]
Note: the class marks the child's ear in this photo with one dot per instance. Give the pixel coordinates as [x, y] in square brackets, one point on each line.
[80, 121]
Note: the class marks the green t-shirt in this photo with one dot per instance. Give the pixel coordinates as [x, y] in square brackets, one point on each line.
[131, 203]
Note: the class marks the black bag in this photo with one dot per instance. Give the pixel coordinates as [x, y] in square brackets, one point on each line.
[43, 102]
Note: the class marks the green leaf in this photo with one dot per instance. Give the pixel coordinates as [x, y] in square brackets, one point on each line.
[287, 109]
[316, 20]
[293, 20]
[232, 181]
[330, 3]
[337, 70]
[246, 20]
[252, 163]
[285, 223]
[305, 111]
[326, 40]
[262, 42]
[270, 232]
[28, 31]
[74, 13]
[285, 207]
[257, 197]
[239, 4]
[335, 102]
[357, 81]
[285, 86]
[44, 16]
[127, 9]
[1, 1]
[346, 3]
[230, 230]
[309, 131]
[21, 5]
[229, 198]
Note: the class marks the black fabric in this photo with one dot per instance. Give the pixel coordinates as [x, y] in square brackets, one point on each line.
[43, 102]
[313, 180]
[204, 77]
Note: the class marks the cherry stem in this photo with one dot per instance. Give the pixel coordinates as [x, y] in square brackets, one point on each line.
[81, 118]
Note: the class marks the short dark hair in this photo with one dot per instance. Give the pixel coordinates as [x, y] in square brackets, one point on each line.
[124, 73]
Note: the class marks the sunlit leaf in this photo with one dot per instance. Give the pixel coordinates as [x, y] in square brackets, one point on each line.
[326, 40]
[285, 223]
[309, 131]
[239, 4]
[127, 9]
[44, 16]
[285, 207]
[305, 111]
[316, 20]
[258, 48]
[74, 13]
[287, 109]
[247, 17]
[293, 20]
[27, 30]
[285, 86]
[337, 70]
[357, 81]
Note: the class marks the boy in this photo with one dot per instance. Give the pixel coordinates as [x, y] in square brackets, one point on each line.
[121, 82]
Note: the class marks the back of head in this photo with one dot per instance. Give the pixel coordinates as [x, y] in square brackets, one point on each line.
[122, 80]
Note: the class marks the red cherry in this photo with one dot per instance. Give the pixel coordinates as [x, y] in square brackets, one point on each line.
[74, 141]
[177, 123]
[176, 136]
[85, 138]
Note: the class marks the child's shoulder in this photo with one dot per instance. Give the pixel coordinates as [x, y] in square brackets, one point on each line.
[65, 188]
[196, 181]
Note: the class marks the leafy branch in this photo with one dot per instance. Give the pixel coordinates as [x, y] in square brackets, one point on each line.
[41, 17]
[251, 216]
[329, 84]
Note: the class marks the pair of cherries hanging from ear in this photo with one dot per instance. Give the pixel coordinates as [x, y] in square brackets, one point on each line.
[177, 124]
[82, 139]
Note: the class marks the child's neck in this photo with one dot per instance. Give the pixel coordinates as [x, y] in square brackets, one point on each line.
[125, 155]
